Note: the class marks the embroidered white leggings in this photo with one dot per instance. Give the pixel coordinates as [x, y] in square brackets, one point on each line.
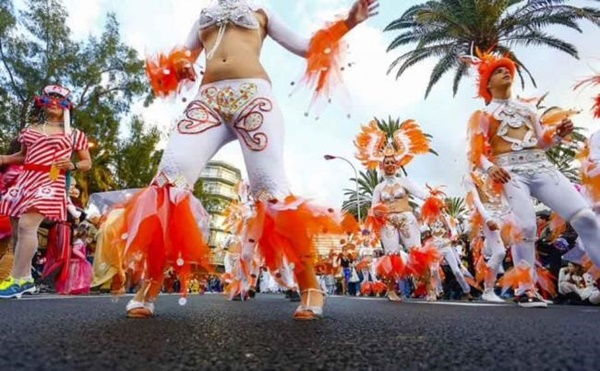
[551, 187]
[408, 234]
[493, 247]
[223, 111]
[453, 261]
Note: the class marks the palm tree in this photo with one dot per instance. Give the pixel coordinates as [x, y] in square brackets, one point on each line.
[456, 206]
[448, 29]
[390, 125]
[367, 181]
[564, 154]
[100, 178]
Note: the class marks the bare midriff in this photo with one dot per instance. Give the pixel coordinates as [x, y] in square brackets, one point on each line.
[501, 146]
[399, 205]
[238, 55]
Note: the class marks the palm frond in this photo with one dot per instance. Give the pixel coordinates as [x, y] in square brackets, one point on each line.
[446, 29]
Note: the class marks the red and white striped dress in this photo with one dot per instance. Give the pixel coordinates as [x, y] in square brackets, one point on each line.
[34, 190]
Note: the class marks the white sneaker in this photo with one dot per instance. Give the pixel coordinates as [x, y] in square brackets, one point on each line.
[491, 297]
[539, 296]
[432, 296]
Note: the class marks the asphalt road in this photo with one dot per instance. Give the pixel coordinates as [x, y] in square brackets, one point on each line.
[92, 333]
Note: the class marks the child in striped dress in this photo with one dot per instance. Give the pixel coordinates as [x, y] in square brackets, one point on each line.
[40, 190]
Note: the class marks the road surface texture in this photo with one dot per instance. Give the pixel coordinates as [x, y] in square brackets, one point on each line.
[46, 332]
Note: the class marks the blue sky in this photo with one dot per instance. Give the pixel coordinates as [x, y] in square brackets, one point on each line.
[373, 94]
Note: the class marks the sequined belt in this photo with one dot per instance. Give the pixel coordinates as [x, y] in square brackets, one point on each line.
[521, 157]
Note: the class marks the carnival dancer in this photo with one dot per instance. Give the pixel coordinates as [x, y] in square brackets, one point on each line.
[391, 215]
[508, 140]
[442, 235]
[488, 211]
[79, 277]
[250, 258]
[589, 158]
[365, 257]
[234, 277]
[241, 248]
[47, 144]
[235, 101]
[590, 155]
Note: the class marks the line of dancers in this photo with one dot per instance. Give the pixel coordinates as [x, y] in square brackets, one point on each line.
[165, 226]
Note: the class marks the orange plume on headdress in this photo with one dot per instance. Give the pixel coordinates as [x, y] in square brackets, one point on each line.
[487, 62]
[410, 141]
[406, 142]
[592, 81]
[369, 143]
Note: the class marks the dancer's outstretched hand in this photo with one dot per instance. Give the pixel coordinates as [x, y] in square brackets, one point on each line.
[361, 11]
[499, 175]
[565, 128]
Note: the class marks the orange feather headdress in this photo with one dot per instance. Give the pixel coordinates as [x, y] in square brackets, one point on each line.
[373, 145]
[592, 81]
[486, 63]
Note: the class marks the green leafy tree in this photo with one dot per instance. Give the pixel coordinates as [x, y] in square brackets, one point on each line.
[106, 78]
[140, 144]
[447, 29]
[564, 154]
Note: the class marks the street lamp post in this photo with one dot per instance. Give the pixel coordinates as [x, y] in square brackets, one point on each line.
[330, 157]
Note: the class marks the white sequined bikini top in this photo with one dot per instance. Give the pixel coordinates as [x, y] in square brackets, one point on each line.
[223, 12]
[392, 182]
[513, 114]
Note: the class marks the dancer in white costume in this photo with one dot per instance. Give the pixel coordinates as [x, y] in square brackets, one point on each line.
[441, 237]
[235, 279]
[250, 256]
[391, 215]
[508, 140]
[235, 102]
[491, 209]
[590, 177]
